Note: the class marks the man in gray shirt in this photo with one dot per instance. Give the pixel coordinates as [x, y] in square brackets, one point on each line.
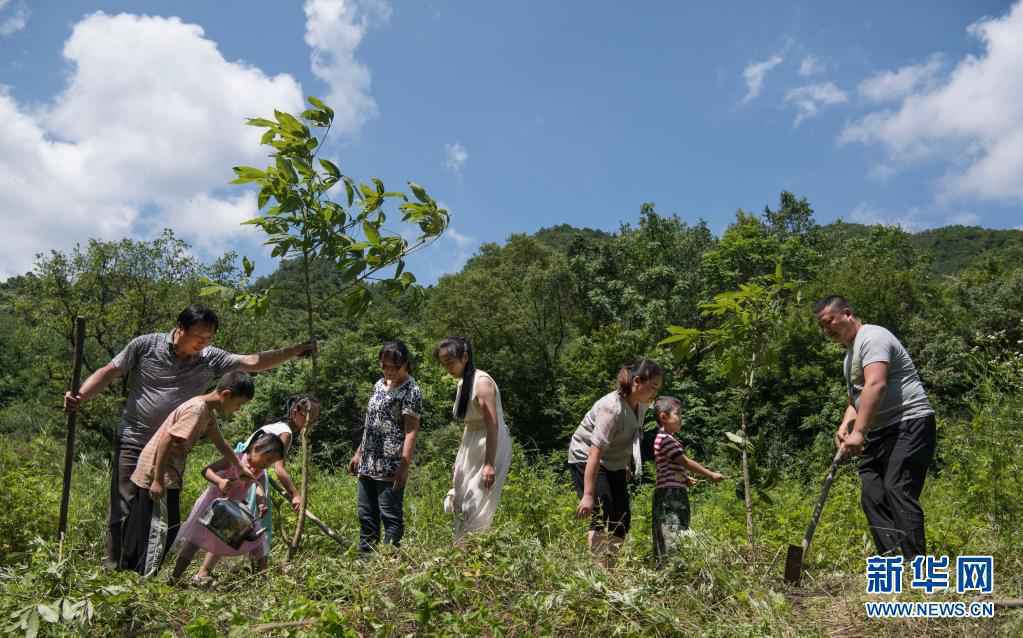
[888, 420]
[164, 370]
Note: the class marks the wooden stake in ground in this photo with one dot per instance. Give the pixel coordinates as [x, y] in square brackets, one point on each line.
[69, 446]
[323, 526]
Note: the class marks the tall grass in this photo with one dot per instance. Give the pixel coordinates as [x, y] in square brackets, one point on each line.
[530, 575]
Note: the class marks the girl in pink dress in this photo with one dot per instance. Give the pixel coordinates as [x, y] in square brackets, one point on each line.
[264, 450]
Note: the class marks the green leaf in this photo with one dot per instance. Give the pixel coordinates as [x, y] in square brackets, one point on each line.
[32, 626]
[419, 192]
[349, 191]
[290, 124]
[247, 174]
[379, 185]
[48, 613]
[260, 121]
[210, 291]
[264, 197]
[247, 266]
[332, 169]
[303, 166]
[673, 339]
[739, 440]
[287, 170]
[372, 234]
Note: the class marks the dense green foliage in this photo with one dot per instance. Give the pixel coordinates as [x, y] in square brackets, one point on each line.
[552, 316]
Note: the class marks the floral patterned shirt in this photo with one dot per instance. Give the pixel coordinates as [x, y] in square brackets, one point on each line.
[384, 433]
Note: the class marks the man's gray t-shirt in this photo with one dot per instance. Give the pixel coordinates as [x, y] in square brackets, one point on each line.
[158, 382]
[905, 397]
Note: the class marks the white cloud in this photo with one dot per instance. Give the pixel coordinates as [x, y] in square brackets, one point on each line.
[455, 157]
[972, 121]
[882, 172]
[14, 20]
[334, 30]
[811, 65]
[867, 213]
[214, 222]
[889, 86]
[132, 133]
[965, 219]
[808, 99]
[458, 248]
[460, 240]
[755, 73]
[445, 255]
[913, 220]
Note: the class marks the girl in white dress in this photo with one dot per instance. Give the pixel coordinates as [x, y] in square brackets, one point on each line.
[484, 456]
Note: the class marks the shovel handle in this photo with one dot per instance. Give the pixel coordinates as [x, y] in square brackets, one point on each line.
[819, 507]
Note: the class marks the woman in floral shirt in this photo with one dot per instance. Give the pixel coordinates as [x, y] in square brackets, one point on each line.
[385, 454]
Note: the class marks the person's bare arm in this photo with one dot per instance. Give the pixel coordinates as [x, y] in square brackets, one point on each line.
[848, 418]
[486, 394]
[288, 484]
[589, 482]
[260, 498]
[260, 361]
[408, 448]
[97, 382]
[696, 467]
[160, 463]
[212, 473]
[875, 386]
[217, 439]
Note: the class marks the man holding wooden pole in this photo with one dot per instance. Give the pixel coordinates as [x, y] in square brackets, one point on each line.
[164, 370]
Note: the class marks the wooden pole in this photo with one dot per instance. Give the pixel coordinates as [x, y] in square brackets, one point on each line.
[323, 526]
[69, 446]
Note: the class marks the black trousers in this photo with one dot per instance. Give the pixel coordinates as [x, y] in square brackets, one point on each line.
[612, 512]
[135, 528]
[122, 490]
[379, 501]
[892, 472]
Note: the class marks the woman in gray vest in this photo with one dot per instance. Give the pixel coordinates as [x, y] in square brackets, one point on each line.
[602, 452]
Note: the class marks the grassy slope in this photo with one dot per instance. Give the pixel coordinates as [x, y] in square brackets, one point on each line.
[530, 576]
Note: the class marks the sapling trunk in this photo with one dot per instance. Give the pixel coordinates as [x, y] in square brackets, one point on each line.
[747, 491]
[747, 495]
[307, 430]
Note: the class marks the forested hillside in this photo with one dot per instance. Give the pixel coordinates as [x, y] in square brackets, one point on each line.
[552, 315]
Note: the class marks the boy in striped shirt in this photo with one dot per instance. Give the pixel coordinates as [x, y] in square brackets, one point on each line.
[671, 494]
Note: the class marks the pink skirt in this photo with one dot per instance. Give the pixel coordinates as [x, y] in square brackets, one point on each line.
[194, 532]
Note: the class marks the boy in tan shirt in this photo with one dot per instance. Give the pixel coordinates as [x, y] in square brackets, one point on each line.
[155, 509]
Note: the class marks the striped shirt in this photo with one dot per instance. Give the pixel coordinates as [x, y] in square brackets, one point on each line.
[668, 455]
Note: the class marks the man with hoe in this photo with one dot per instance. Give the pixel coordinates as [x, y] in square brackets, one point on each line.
[888, 421]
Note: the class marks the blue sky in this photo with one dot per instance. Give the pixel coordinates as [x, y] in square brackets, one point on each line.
[515, 115]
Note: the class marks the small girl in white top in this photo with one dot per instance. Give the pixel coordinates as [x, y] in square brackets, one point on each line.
[299, 411]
